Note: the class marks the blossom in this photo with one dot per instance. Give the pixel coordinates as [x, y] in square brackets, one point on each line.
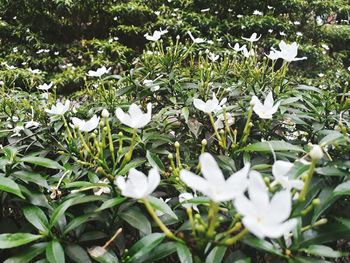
[266, 110]
[183, 197]
[196, 40]
[59, 108]
[288, 52]
[274, 55]
[157, 34]
[86, 126]
[214, 184]
[138, 185]
[31, 124]
[103, 189]
[262, 217]
[213, 57]
[237, 48]
[99, 72]
[45, 86]
[150, 84]
[221, 120]
[258, 13]
[280, 169]
[135, 118]
[253, 38]
[209, 106]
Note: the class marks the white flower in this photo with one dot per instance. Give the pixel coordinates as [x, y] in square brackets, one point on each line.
[220, 122]
[32, 124]
[209, 106]
[86, 126]
[325, 46]
[205, 10]
[196, 40]
[34, 71]
[258, 13]
[214, 184]
[59, 108]
[280, 169]
[273, 55]
[135, 118]
[262, 217]
[186, 197]
[157, 34]
[266, 110]
[138, 185]
[150, 84]
[99, 72]
[45, 86]
[247, 53]
[103, 189]
[288, 52]
[237, 48]
[17, 131]
[213, 57]
[253, 38]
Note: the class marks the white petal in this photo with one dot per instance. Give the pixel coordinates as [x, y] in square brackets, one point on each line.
[281, 168]
[153, 180]
[254, 227]
[258, 192]
[278, 230]
[245, 207]
[210, 169]
[139, 182]
[199, 104]
[194, 181]
[280, 207]
[269, 100]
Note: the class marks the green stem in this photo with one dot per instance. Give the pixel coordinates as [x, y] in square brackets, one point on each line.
[236, 238]
[215, 129]
[159, 222]
[213, 211]
[308, 181]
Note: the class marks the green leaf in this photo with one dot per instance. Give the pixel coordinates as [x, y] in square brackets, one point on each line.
[32, 177]
[262, 245]
[55, 252]
[184, 253]
[77, 221]
[137, 219]
[111, 203]
[60, 210]
[268, 146]
[216, 255]
[185, 113]
[77, 254]
[36, 217]
[8, 185]
[308, 260]
[132, 164]
[160, 205]
[161, 251]
[154, 160]
[145, 245]
[323, 251]
[17, 239]
[44, 162]
[28, 254]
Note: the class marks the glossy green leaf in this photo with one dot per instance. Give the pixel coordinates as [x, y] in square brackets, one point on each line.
[28, 254]
[17, 239]
[77, 254]
[36, 217]
[55, 252]
[44, 162]
[10, 186]
[268, 146]
[184, 253]
[137, 219]
[160, 205]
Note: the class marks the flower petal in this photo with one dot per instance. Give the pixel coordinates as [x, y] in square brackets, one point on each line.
[210, 169]
[194, 181]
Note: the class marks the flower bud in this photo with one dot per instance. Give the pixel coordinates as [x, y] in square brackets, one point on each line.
[316, 202]
[316, 152]
[178, 37]
[105, 113]
[204, 142]
[170, 156]
[177, 144]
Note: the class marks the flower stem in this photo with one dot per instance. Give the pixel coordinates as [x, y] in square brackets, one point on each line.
[213, 211]
[159, 222]
[133, 140]
[215, 129]
[233, 240]
[308, 181]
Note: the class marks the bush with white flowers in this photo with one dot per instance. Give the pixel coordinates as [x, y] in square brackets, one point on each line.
[204, 143]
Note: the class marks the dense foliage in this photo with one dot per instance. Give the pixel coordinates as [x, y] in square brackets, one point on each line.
[174, 131]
